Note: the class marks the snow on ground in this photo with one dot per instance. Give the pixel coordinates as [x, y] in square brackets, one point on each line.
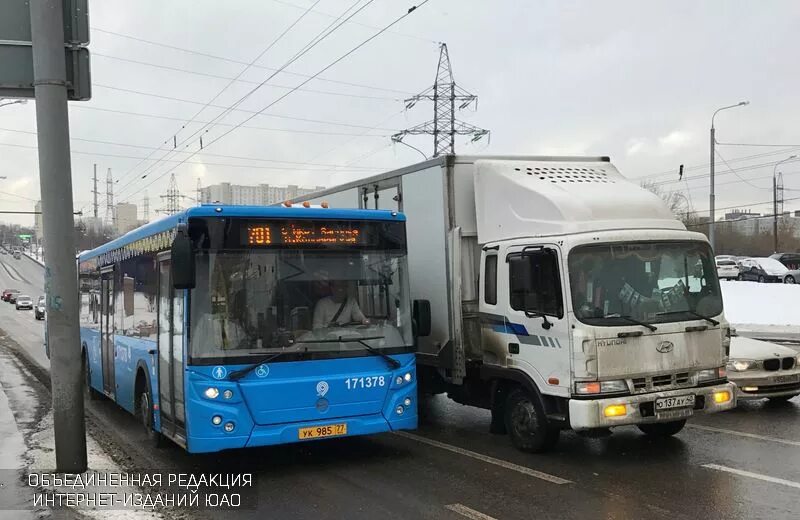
[770, 306]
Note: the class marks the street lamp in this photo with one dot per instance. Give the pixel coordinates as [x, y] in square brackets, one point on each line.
[711, 195]
[775, 201]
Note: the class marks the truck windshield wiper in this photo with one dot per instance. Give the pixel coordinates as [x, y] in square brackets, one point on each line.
[650, 326]
[238, 374]
[392, 362]
[696, 314]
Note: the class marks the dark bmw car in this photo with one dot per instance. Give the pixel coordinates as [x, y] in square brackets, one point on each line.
[764, 270]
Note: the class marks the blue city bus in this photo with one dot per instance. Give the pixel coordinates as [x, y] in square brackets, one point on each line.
[237, 326]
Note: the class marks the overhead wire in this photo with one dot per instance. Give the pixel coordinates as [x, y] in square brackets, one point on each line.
[323, 70]
[230, 82]
[317, 39]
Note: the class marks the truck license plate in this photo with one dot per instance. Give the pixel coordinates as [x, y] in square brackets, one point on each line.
[793, 378]
[670, 403]
[314, 432]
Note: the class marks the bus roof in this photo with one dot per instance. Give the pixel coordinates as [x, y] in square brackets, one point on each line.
[222, 210]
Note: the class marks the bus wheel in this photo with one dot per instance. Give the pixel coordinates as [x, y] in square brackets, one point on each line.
[146, 416]
[527, 423]
[664, 429]
[91, 393]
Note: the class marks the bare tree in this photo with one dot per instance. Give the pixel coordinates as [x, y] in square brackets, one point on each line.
[676, 201]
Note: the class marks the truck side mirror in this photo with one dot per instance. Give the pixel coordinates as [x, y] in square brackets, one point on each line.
[422, 318]
[182, 261]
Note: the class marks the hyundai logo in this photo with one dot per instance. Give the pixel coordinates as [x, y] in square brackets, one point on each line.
[665, 346]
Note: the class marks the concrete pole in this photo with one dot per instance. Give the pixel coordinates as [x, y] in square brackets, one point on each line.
[55, 174]
[711, 197]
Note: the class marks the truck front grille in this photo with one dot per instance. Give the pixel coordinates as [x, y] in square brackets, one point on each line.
[661, 382]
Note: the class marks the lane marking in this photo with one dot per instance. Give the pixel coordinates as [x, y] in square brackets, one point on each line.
[465, 511]
[750, 474]
[9, 272]
[744, 434]
[485, 458]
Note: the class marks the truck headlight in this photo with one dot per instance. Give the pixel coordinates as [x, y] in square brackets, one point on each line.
[710, 374]
[601, 387]
[740, 365]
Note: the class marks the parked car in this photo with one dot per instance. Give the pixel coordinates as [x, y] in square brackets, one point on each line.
[7, 293]
[727, 269]
[23, 301]
[761, 369]
[790, 260]
[39, 310]
[766, 270]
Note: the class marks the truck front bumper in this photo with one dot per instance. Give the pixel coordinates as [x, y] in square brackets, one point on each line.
[585, 414]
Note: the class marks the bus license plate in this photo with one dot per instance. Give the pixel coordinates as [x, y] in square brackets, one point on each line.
[315, 432]
[670, 403]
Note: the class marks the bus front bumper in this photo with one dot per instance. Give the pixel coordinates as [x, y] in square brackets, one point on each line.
[270, 435]
[586, 414]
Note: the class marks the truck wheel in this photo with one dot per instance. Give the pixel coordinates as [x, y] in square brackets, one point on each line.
[664, 429]
[146, 416]
[527, 423]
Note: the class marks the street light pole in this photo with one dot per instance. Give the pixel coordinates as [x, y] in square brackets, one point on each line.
[712, 197]
[775, 201]
[60, 276]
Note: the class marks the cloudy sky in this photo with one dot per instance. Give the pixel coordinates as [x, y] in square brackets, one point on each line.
[634, 80]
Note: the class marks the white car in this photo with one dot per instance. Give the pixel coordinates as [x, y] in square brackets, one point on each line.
[761, 369]
[727, 269]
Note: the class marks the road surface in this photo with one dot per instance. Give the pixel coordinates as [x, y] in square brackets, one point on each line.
[741, 464]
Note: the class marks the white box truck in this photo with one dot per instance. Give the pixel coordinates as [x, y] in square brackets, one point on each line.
[555, 293]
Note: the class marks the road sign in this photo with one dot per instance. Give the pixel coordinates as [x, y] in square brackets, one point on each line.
[16, 52]
[15, 24]
[16, 73]
[24, 236]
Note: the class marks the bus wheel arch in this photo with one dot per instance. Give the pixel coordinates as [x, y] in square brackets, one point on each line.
[143, 404]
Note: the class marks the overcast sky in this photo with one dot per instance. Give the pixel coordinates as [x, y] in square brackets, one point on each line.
[637, 81]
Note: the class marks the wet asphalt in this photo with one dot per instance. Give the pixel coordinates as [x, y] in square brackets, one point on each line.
[740, 464]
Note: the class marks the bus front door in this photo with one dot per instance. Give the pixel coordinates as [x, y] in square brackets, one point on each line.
[107, 331]
[170, 356]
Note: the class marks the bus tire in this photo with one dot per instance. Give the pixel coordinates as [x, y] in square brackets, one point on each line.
[664, 429]
[527, 424]
[145, 409]
[91, 393]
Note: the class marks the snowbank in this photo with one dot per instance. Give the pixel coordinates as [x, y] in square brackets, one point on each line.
[762, 304]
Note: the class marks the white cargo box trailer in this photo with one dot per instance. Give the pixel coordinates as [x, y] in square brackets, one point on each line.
[555, 293]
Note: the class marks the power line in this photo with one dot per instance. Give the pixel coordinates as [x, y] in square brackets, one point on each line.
[342, 57]
[737, 174]
[227, 165]
[705, 166]
[705, 175]
[232, 80]
[217, 76]
[183, 119]
[310, 45]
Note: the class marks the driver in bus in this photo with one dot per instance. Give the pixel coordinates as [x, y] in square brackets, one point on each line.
[339, 308]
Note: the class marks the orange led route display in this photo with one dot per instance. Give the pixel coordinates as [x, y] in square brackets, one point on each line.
[295, 234]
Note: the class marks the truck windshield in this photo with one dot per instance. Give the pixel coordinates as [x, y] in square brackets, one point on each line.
[252, 302]
[653, 282]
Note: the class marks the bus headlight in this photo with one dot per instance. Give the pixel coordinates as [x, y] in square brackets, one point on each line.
[216, 420]
[227, 394]
[407, 377]
[407, 402]
[399, 380]
[399, 410]
[211, 392]
[229, 426]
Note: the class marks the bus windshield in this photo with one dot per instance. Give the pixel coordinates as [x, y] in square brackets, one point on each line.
[652, 282]
[319, 303]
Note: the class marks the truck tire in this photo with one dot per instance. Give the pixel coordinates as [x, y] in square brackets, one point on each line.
[664, 429]
[527, 424]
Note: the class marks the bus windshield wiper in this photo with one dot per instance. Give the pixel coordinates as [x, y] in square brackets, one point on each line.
[650, 326]
[392, 362]
[238, 374]
[695, 314]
